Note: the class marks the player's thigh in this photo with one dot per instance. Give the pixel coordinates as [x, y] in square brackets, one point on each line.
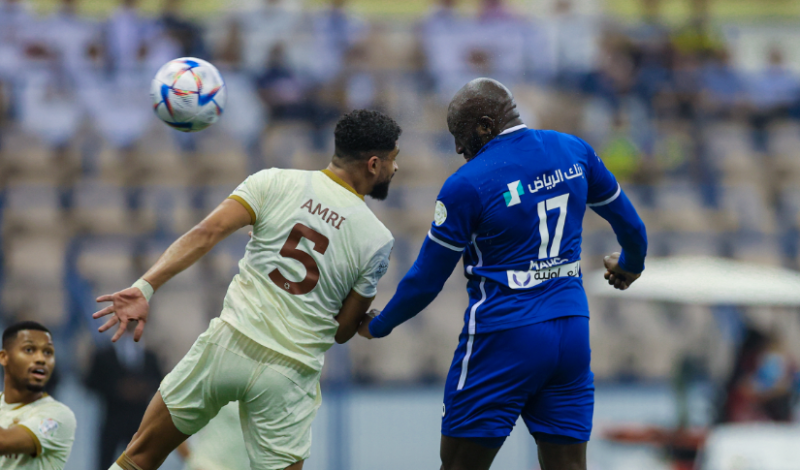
[276, 415]
[554, 456]
[560, 412]
[465, 454]
[211, 375]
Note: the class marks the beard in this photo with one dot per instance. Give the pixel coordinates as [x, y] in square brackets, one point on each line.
[34, 388]
[381, 190]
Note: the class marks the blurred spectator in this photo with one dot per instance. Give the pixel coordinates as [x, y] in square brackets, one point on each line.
[761, 386]
[16, 25]
[335, 32]
[619, 153]
[288, 97]
[772, 92]
[650, 52]
[575, 42]
[126, 38]
[441, 32]
[185, 32]
[614, 78]
[282, 90]
[125, 375]
[698, 37]
[260, 29]
[721, 85]
[495, 10]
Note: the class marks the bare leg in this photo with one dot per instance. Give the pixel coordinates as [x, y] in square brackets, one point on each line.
[562, 456]
[463, 454]
[157, 437]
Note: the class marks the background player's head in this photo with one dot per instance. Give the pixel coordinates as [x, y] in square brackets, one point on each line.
[478, 113]
[366, 146]
[28, 356]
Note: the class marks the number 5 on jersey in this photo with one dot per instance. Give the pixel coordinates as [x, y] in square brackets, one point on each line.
[290, 250]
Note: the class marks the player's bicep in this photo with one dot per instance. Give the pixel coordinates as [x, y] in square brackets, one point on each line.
[19, 440]
[253, 193]
[456, 215]
[351, 315]
[227, 218]
[602, 185]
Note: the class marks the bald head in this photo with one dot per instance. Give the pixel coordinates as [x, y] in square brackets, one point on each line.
[478, 113]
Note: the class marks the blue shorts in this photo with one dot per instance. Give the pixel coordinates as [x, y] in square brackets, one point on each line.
[540, 371]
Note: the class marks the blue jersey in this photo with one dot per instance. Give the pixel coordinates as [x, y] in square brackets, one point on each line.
[516, 210]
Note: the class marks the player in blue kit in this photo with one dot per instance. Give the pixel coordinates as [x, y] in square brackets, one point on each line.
[514, 213]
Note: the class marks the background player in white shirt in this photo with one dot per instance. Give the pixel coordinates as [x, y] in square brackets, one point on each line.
[308, 277]
[36, 432]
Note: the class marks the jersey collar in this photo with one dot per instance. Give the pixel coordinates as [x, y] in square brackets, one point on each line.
[504, 133]
[341, 182]
[512, 129]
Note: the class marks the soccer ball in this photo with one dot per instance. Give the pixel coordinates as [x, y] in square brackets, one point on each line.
[188, 94]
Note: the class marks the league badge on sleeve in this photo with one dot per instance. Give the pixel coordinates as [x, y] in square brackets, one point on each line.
[440, 215]
[48, 427]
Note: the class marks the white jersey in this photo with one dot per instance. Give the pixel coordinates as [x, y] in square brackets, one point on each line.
[51, 425]
[314, 240]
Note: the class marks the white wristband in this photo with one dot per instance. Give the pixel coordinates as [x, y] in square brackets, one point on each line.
[145, 287]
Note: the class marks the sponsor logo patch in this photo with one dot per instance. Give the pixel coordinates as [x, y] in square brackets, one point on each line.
[514, 192]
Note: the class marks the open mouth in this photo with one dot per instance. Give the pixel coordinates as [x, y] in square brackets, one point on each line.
[39, 373]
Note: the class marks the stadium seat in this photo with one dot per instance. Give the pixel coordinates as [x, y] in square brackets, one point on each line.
[680, 208]
[108, 263]
[103, 208]
[169, 207]
[33, 207]
[747, 204]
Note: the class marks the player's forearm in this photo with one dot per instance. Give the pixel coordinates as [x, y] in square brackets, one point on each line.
[630, 231]
[183, 253]
[16, 440]
[419, 287]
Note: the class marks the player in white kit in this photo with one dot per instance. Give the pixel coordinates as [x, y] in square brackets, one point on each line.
[308, 277]
[36, 431]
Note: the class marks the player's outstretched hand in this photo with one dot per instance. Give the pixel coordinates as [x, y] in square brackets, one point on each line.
[127, 305]
[615, 275]
[363, 328]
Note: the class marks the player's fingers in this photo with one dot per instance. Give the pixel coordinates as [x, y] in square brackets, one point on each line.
[123, 325]
[111, 322]
[139, 331]
[607, 274]
[104, 312]
[105, 298]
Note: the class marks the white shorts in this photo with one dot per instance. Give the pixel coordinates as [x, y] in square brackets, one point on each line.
[223, 366]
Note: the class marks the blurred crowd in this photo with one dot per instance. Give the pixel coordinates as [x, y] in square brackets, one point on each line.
[93, 187]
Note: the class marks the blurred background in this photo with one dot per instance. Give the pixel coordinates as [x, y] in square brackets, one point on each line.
[693, 104]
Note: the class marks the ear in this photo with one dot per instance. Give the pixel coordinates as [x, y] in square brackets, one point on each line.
[374, 165]
[486, 125]
[3, 357]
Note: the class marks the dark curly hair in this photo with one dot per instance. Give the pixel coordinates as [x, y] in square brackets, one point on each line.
[11, 332]
[363, 133]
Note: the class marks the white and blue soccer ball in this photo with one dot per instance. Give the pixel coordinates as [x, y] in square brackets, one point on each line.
[188, 94]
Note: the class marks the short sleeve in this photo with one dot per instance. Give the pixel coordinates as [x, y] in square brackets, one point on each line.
[52, 429]
[603, 186]
[252, 193]
[457, 212]
[367, 283]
